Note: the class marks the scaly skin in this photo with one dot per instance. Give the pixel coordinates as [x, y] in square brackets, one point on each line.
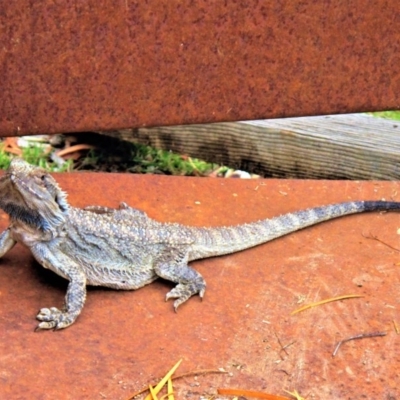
[123, 248]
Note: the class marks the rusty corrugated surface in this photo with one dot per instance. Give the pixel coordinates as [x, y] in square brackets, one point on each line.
[124, 340]
[98, 65]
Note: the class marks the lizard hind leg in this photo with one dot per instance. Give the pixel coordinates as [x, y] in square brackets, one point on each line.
[172, 265]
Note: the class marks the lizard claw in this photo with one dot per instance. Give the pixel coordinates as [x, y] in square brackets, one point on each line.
[182, 292]
[53, 318]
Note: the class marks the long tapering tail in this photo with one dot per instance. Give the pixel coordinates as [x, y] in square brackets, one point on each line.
[224, 240]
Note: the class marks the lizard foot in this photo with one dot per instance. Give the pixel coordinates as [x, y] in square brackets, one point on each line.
[53, 318]
[183, 291]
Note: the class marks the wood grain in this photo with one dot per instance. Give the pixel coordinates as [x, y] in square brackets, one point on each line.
[353, 146]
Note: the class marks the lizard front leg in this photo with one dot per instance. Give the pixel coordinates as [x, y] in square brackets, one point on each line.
[6, 242]
[172, 265]
[51, 257]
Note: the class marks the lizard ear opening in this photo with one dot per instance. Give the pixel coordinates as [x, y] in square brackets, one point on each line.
[61, 200]
[52, 187]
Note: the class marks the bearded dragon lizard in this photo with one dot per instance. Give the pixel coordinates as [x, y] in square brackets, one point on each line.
[123, 248]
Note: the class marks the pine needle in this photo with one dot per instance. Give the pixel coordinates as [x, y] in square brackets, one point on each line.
[184, 375]
[153, 393]
[250, 393]
[163, 381]
[295, 394]
[396, 327]
[318, 303]
[170, 390]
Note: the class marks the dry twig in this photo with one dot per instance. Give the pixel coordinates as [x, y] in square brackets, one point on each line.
[373, 237]
[360, 336]
[283, 348]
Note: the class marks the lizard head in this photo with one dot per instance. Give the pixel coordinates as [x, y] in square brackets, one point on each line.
[31, 195]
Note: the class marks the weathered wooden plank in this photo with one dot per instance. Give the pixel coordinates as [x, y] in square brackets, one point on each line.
[353, 146]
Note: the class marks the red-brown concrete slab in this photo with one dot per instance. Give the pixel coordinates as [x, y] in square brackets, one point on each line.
[124, 340]
[99, 65]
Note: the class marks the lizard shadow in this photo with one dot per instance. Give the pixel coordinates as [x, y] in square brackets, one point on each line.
[49, 278]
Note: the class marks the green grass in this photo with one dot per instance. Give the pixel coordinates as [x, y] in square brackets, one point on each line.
[117, 156]
[5, 159]
[114, 155]
[142, 159]
[387, 114]
[149, 160]
[35, 155]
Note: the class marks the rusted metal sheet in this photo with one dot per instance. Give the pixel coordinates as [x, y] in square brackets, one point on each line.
[99, 65]
[125, 340]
